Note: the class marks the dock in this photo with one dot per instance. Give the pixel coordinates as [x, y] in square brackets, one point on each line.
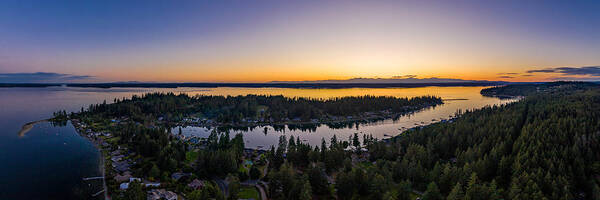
[93, 178]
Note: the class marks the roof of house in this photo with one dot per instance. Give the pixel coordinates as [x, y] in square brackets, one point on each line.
[122, 178]
[196, 184]
[161, 194]
[179, 175]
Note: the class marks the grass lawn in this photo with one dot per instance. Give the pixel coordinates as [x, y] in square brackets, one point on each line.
[191, 156]
[248, 193]
[365, 165]
[113, 140]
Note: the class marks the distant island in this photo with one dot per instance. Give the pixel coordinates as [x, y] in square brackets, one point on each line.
[408, 79]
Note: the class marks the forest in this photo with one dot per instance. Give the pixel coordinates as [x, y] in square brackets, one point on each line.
[254, 108]
[546, 146]
[509, 91]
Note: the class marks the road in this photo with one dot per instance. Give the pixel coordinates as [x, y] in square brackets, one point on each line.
[103, 174]
[263, 194]
[222, 185]
[257, 184]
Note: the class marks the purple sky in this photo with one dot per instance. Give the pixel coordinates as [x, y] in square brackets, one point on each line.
[257, 41]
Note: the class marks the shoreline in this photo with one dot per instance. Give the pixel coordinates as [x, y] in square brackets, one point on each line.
[101, 165]
[101, 168]
[28, 126]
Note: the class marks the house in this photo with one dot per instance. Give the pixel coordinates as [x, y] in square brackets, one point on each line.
[152, 185]
[135, 179]
[117, 158]
[196, 184]
[156, 194]
[121, 166]
[115, 152]
[122, 178]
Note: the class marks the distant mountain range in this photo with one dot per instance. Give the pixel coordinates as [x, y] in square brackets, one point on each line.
[262, 85]
[395, 80]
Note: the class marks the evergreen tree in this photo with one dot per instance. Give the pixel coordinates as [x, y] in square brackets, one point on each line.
[234, 188]
[404, 190]
[306, 191]
[254, 173]
[456, 193]
[432, 192]
[476, 191]
[135, 191]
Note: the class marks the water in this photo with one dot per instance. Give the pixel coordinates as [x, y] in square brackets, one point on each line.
[456, 98]
[49, 162]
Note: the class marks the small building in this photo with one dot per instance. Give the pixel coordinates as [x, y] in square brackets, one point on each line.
[124, 186]
[152, 184]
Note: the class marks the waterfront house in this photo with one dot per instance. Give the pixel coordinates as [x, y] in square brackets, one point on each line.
[115, 152]
[117, 158]
[122, 178]
[121, 166]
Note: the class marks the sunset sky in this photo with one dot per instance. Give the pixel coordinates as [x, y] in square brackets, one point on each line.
[260, 41]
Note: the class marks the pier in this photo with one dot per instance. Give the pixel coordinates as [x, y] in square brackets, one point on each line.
[93, 178]
[98, 193]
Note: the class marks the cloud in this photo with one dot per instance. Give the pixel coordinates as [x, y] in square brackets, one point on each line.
[570, 71]
[41, 77]
[541, 71]
[508, 73]
[406, 79]
[588, 70]
[505, 77]
[527, 75]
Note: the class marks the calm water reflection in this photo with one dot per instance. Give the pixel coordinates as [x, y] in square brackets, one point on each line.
[456, 98]
[49, 162]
